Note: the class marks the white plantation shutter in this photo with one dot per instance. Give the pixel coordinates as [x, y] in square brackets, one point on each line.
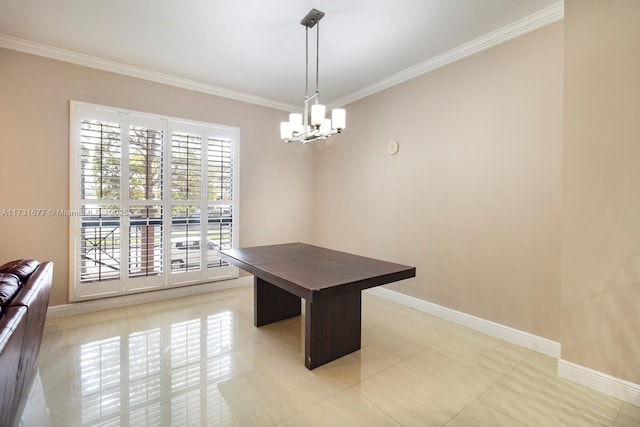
[153, 200]
[186, 192]
[145, 193]
[100, 151]
[100, 171]
[186, 166]
[145, 163]
[220, 167]
[146, 241]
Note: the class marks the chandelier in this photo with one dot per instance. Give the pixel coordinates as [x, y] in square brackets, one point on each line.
[313, 124]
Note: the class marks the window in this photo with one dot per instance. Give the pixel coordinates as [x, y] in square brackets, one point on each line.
[153, 200]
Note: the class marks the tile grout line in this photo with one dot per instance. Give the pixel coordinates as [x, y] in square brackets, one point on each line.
[456, 333]
[487, 390]
[615, 419]
[380, 409]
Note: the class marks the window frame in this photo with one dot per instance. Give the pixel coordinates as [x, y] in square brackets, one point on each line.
[129, 283]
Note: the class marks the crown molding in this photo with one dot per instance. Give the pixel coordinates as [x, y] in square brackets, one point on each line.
[544, 17]
[51, 52]
[537, 20]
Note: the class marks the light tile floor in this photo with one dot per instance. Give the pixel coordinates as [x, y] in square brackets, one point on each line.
[199, 361]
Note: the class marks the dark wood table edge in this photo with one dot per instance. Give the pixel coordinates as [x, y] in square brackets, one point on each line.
[313, 294]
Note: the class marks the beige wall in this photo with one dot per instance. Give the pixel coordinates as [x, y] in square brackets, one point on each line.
[275, 179]
[601, 230]
[473, 198]
[514, 192]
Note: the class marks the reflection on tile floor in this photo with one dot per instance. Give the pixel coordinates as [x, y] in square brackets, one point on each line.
[199, 361]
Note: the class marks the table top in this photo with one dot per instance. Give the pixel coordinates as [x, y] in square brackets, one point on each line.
[312, 272]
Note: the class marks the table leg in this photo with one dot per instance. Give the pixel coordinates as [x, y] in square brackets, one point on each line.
[271, 304]
[332, 328]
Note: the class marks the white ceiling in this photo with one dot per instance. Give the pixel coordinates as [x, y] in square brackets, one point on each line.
[256, 47]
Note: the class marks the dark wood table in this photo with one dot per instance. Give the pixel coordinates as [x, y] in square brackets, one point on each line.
[329, 281]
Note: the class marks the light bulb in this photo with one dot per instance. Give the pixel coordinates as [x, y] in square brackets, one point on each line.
[295, 120]
[317, 114]
[325, 127]
[285, 130]
[339, 118]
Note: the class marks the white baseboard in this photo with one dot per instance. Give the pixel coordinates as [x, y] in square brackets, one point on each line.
[144, 297]
[598, 381]
[506, 333]
[615, 387]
